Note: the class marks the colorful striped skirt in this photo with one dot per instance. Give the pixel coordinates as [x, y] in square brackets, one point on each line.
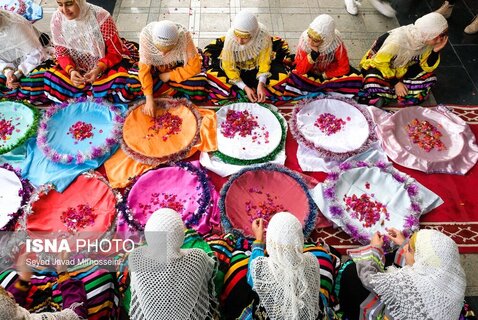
[218, 83]
[120, 84]
[31, 87]
[45, 296]
[193, 88]
[298, 86]
[375, 86]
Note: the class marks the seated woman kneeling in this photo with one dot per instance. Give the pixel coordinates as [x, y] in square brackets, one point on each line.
[169, 63]
[244, 59]
[23, 59]
[92, 59]
[399, 66]
[321, 62]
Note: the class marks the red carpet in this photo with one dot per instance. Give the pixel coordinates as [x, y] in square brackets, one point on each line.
[457, 217]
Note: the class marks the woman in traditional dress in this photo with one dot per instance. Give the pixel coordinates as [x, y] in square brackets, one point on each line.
[321, 62]
[23, 59]
[244, 60]
[399, 66]
[167, 281]
[430, 285]
[288, 280]
[169, 63]
[92, 59]
[72, 292]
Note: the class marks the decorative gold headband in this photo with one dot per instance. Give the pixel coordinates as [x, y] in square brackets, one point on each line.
[242, 34]
[314, 35]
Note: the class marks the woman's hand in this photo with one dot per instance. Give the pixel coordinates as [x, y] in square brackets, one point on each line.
[149, 106]
[258, 229]
[251, 95]
[396, 236]
[12, 81]
[401, 89]
[261, 92]
[93, 74]
[24, 271]
[77, 79]
[377, 240]
[441, 43]
[165, 76]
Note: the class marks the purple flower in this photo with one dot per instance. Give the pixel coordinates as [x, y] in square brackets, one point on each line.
[329, 193]
[118, 118]
[353, 231]
[416, 207]
[43, 125]
[398, 177]
[345, 166]
[41, 139]
[381, 164]
[412, 190]
[80, 158]
[362, 164]
[336, 211]
[69, 158]
[333, 175]
[110, 142]
[410, 222]
[56, 157]
[96, 152]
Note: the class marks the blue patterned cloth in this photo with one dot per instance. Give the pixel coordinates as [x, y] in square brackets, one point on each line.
[26, 8]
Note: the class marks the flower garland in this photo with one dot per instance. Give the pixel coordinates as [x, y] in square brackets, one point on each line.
[311, 216]
[204, 202]
[368, 210]
[166, 104]
[271, 156]
[32, 128]
[324, 153]
[25, 192]
[80, 132]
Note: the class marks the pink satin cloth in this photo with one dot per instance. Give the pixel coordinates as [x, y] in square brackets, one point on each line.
[83, 191]
[175, 188]
[264, 189]
[459, 155]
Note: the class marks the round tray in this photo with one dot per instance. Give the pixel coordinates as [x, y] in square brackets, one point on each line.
[183, 188]
[249, 133]
[260, 192]
[168, 136]
[79, 130]
[363, 198]
[336, 128]
[18, 122]
[429, 140]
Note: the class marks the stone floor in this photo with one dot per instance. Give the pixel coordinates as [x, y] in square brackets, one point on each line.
[208, 19]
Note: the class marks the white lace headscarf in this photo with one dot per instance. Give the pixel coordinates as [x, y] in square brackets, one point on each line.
[18, 38]
[167, 281]
[288, 281]
[260, 39]
[10, 310]
[324, 26]
[409, 41]
[165, 34]
[82, 36]
[433, 288]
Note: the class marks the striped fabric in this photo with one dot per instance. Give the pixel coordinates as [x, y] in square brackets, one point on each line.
[193, 88]
[31, 86]
[298, 86]
[100, 286]
[119, 84]
[376, 86]
[237, 299]
[220, 90]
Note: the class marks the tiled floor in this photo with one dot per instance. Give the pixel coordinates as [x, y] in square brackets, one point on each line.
[208, 19]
